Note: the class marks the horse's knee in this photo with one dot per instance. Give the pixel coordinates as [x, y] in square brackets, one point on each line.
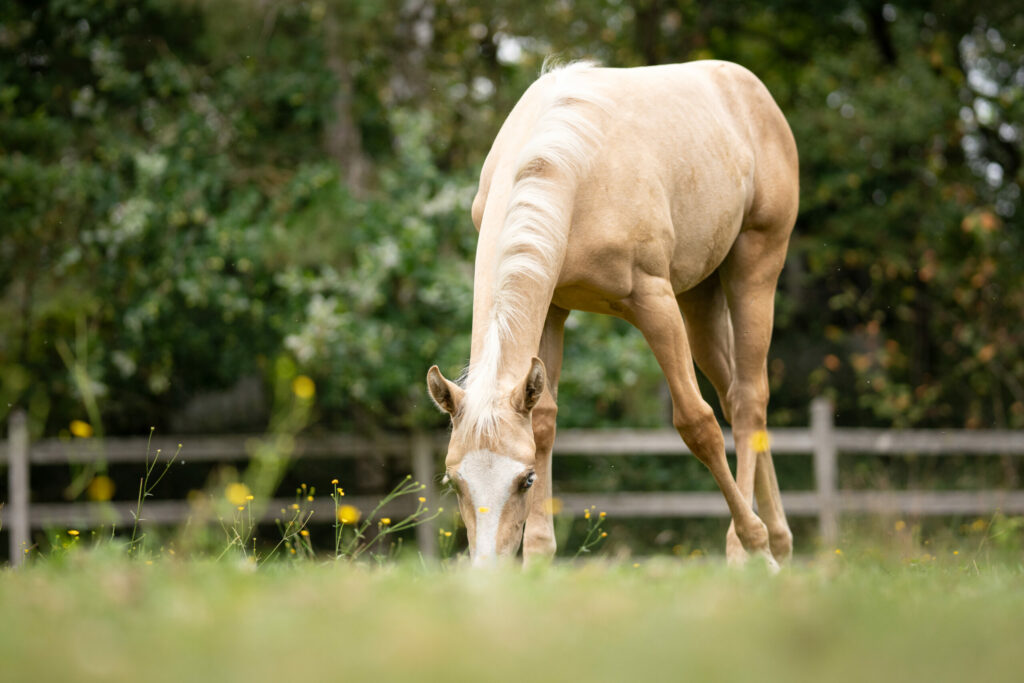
[544, 417]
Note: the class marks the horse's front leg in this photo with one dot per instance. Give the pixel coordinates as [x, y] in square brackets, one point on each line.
[539, 537]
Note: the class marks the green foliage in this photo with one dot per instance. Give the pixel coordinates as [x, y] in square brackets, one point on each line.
[190, 189]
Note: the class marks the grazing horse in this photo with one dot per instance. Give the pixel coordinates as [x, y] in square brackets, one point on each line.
[654, 194]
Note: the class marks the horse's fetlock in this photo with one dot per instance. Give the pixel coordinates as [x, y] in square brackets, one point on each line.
[753, 535]
[539, 545]
[781, 540]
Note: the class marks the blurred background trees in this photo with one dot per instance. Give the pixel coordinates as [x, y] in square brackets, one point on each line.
[192, 189]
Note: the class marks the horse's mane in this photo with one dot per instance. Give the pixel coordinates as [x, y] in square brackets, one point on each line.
[533, 238]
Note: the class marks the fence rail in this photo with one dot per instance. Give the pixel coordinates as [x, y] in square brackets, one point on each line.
[822, 440]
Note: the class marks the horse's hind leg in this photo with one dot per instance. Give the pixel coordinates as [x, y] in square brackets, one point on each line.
[655, 312]
[749, 277]
[709, 329]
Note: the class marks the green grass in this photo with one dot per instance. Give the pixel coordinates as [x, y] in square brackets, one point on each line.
[854, 617]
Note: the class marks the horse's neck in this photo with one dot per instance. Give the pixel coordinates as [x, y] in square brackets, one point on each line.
[507, 320]
[525, 228]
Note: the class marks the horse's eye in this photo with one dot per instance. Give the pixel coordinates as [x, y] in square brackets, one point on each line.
[528, 482]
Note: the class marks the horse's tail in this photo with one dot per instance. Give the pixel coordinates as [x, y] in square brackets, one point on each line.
[532, 244]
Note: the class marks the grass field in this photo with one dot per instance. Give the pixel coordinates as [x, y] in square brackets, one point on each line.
[849, 617]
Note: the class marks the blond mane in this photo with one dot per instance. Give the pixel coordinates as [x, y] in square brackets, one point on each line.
[532, 242]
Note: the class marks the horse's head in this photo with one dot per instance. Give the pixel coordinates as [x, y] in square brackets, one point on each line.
[491, 468]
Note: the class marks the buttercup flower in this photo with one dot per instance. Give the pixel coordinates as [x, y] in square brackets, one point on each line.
[237, 493]
[83, 430]
[101, 488]
[348, 514]
[759, 441]
[303, 387]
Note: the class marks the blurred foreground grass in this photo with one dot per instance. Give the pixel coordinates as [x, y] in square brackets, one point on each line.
[849, 617]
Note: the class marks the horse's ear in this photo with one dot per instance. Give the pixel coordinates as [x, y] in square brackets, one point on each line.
[446, 395]
[533, 386]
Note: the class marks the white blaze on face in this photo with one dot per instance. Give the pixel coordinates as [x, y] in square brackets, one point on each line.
[489, 477]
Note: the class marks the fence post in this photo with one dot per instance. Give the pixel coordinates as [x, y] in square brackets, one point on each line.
[423, 472]
[17, 485]
[826, 469]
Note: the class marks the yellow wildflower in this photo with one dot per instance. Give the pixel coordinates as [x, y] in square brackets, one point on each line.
[303, 387]
[348, 514]
[305, 533]
[237, 493]
[900, 525]
[309, 498]
[295, 506]
[72, 532]
[385, 520]
[334, 481]
[101, 488]
[250, 497]
[422, 499]
[603, 514]
[586, 514]
[83, 430]
[604, 534]
[838, 551]
[759, 441]
[241, 507]
[447, 534]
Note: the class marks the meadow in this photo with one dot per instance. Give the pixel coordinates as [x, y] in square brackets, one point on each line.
[855, 615]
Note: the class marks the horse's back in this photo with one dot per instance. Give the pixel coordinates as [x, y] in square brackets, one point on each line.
[690, 155]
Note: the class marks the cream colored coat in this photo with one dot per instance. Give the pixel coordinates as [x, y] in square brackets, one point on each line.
[645, 194]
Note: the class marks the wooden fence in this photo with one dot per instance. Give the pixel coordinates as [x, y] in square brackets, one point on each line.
[822, 440]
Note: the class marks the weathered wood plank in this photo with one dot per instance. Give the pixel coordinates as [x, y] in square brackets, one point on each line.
[208, 448]
[588, 442]
[646, 504]
[19, 513]
[177, 511]
[931, 441]
[569, 442]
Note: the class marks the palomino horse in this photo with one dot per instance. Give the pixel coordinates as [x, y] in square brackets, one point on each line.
[653, 194]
